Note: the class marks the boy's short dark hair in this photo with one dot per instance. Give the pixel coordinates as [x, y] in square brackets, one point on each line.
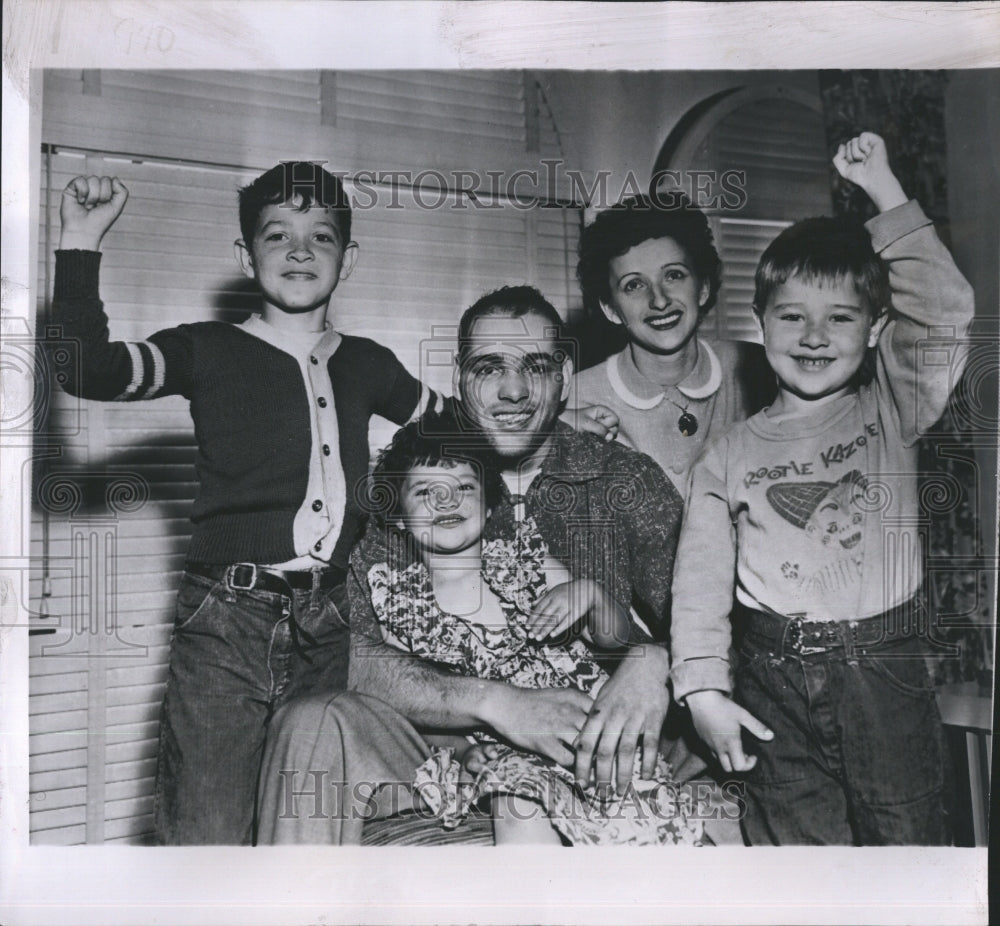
[286, 181]
[506, 302]
[824, 249]
[638, 219]
[435, 439]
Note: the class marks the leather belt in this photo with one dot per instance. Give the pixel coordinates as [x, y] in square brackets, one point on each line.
[247, 577]
[794, 636]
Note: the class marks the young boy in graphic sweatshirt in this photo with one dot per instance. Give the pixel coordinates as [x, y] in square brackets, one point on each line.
[808, 514]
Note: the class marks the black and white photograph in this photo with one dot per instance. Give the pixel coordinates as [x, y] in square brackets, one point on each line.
[439, 435]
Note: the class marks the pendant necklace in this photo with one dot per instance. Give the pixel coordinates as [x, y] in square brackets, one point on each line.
[687, 424]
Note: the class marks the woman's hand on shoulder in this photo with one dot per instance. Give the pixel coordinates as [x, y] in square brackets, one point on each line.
[592, 419]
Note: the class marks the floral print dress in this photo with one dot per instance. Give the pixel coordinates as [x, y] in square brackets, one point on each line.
[653, 812]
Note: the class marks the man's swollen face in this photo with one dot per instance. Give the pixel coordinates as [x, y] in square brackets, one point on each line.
[512, 382]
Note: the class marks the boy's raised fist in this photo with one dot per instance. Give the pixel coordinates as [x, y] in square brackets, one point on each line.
[863, 160]
[860, 157]
[89, 207]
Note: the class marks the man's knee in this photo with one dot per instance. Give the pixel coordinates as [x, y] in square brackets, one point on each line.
[313, 713]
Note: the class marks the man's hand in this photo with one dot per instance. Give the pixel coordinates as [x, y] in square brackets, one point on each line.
[595, 419]
[89, 207]
[561, 608]
[628, 713]
[863, 160]
[719, 722]
[546, 720]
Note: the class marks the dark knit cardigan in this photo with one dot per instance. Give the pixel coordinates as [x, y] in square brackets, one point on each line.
[251, 414]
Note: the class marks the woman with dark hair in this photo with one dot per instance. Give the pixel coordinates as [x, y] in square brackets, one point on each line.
[652, 268]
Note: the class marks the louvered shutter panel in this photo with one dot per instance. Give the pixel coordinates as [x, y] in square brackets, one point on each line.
[115, 570]
[779, 143]
[740, 243]
[286, 96]
[58, 688]
[183, 143]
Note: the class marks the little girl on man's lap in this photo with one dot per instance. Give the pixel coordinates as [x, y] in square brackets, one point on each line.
[502, 610]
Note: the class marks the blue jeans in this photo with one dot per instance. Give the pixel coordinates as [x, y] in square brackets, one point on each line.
[235, 656]
[858, 754]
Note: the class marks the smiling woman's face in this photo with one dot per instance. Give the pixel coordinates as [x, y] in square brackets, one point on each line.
[655, 295]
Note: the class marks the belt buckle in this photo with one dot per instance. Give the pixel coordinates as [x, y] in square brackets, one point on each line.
[795, 637]
[232, 577]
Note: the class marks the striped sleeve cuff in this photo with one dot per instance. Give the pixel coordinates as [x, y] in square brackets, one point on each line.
[149, 369]
[429, 401]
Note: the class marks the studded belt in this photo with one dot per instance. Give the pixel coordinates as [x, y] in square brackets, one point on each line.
[793, 636]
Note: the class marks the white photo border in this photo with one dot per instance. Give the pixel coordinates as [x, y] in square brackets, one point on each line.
[106, 885]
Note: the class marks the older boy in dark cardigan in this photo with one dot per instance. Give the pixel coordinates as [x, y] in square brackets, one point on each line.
[281, 405]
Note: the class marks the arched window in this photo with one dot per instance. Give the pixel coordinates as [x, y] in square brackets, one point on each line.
[755, 160]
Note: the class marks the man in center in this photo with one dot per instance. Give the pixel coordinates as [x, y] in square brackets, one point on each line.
[606, 511]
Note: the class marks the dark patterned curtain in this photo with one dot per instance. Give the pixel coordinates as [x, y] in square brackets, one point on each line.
[907, 109]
